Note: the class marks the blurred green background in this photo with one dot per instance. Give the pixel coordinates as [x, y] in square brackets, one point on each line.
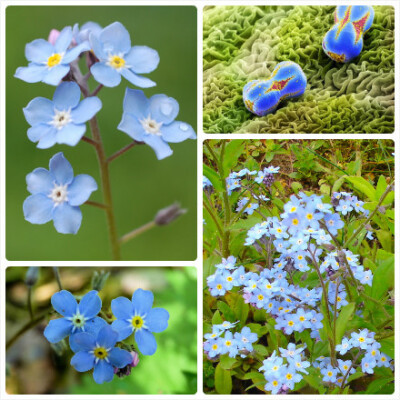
[34, 367]
[141, 184]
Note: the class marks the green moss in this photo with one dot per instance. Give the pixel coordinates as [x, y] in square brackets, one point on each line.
[245, 43]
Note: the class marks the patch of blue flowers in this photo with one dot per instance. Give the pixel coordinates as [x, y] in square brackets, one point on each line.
[109, 56]
[98, 345]
[303, 238]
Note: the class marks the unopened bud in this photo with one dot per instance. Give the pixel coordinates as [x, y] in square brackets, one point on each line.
[382, 209]
[126, 371]
[32, 276]
[135, 359]
[99, 279]
[53, 36]
[169, 214]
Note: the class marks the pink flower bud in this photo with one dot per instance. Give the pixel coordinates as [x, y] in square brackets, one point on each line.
[135, 359]
[53, 36]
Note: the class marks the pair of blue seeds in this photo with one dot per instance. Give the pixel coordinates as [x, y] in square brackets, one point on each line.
[342, 43]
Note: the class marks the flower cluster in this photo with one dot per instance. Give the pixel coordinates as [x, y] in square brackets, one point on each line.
[109, 56]
[94, 341]
[230, 344]
[282, 372]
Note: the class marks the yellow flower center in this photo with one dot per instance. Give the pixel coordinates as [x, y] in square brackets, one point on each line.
[290, 323]
[289, 377]
[329, 373]
[260, 297]
[309, 216]
[302, 319]
[219, 286]
[228, 343]
[54, 60]
[137, 322]
[229, 279]
[361, 339]
[275, 383]
[295, 221]
[100, 352]
[293, 209]
[116, 62]
[215, 347]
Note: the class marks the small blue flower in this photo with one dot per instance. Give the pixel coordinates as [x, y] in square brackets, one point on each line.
[57, 195]
[80, 317]
[329, 373]
[138, 316]
[152, 121]
[99, 353]
[246, 338]
[345, 346]
[61, 120]
[112, 46]
[48, 63]
[83, 34]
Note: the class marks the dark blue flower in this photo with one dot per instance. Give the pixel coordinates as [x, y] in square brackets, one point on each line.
[61, 120]
[112, 46]
[80, 317]
[50, 63]
[98, 352]
[138, 316]
[152, 121]
[57, 195]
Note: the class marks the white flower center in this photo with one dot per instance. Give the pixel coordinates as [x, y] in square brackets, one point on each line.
[151, 126]
[61, 118]
[78, 320]
[59, 194]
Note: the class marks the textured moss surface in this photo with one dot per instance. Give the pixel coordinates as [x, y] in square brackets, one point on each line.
[245, 43]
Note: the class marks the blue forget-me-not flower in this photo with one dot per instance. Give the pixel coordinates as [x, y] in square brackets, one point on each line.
[112, 46]
[77, 318]
[99, 352]
[152, 121]
[50, 63]
[56, 195]
[138, 316]
[61, 120]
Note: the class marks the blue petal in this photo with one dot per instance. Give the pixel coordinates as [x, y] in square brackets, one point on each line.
[40, 181]
[97, 46]
[82, 341]
[55, 74]
[94, 325]
[83, 361]
[57, 330]
[177, 132]
[122, 308]
[157, 320]
[66, 96]
[61, 169]
[142, 59]
[137, 80]
[90, 304]
[70, 134]
[48, 139]
[136, 103]
[64, 303]
[119, 358]
[142, 301]
[38, 51]
[32, 73]
[38, 209]
[86, 110]
[107, 337]
[80, 189]
[67, 219]
[160, 147]
[123, 327]
[163, 108]
[35, 133]
[64, 40]
[72, 54]
[146, 342]
[131, 126]
[115, 39]
[103, 372]
[39, 110]
[105, 74]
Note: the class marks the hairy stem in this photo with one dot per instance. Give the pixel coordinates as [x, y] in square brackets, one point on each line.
[138, 231]
[123, 150]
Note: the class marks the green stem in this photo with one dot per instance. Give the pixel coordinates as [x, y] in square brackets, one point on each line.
[30, 309]
[387, 315]
[371, 215]
[215, 219]
[123, 150]
[136, 232]
[29, 325]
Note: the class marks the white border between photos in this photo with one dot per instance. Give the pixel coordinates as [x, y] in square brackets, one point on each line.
[201, 137]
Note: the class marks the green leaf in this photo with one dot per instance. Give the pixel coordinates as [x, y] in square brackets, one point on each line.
[383, 279]
[223, 380]
[241, 310]
[338, 184]
[260, 349]
[227, 362]
[233, 150]
[377, 385]
[213, 177]
[380, 187]
[363, 186]
[345, 315]
[296, 186]
[387, 346]
[226, 311]
[216, 319]
[386, 239]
